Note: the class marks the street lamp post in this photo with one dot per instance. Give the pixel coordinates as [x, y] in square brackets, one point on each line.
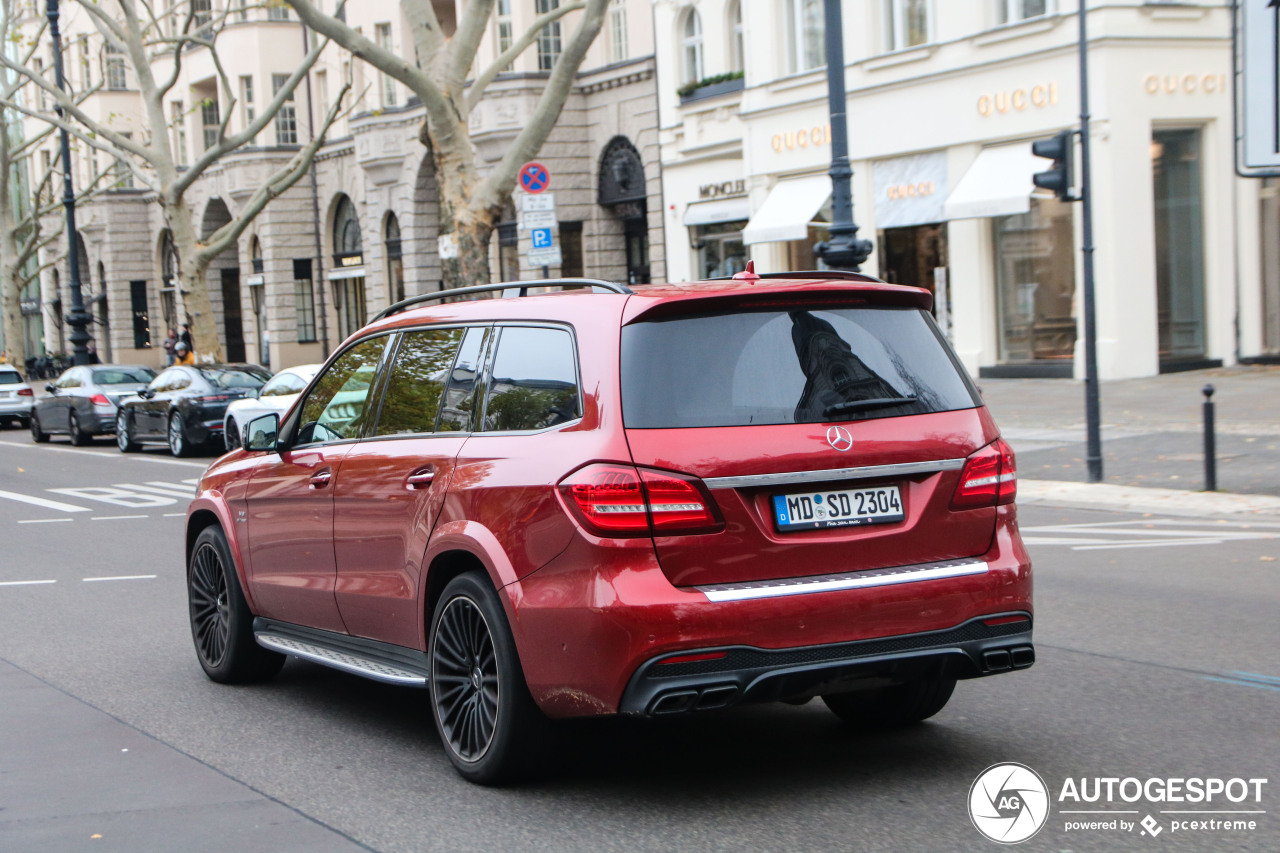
[842, 249]
[77, 318]
[1092, 405]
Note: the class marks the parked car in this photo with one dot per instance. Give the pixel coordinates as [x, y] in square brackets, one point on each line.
[276, 396]
[184, 406]
[653, 501]
[16, 397]
[83, 401]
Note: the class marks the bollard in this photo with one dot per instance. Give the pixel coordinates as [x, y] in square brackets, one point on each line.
[1210, 449]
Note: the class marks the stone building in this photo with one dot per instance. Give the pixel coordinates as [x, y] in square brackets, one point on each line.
[362, 230]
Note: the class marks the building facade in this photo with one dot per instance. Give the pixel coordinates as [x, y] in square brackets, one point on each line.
[944, 100]
[363, 229]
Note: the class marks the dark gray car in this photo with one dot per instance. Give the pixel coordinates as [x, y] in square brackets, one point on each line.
[83, 401]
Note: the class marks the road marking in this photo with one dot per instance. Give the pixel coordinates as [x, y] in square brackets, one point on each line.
[121, 578]
[1248, 679]
[44, 503]
[116, 497]
[24, 583]
[43, 520]
[116, 517]
[44, 448]
[169, 490]
[1154, 533]
[174, 515]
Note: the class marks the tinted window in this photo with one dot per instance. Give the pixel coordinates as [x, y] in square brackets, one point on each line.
[122, 376]
[335, 409]
[779, 367]
[167, 381]
[70, 379]
[283, 384]
[248, 376]
[534, 381]
[10, 377]
[417, 381]
[459, 398]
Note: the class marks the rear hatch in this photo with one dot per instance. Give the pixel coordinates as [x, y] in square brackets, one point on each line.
[830, 431]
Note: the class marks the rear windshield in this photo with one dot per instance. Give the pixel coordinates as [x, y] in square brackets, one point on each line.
[784, 367]
[249, 376]
[123, 376]
[10, 377]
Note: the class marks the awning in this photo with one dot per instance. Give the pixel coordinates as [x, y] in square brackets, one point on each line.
[346, 272]
[787, 212]
[719, 210]
[997, 184]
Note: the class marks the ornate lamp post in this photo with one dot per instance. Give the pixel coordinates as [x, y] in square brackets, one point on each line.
[77, 318]
[842, 250]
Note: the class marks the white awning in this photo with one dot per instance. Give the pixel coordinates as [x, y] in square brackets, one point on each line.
[346, 272]
[997, 184]
[787, 212]
[719, 210]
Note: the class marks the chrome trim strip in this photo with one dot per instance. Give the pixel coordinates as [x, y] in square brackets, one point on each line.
[847, 580]
[344, 661]
[866, 472]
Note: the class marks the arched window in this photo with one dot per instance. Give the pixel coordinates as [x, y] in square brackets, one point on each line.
[395, 260]
[807, 33]
[168, 281]
[346, 229]
[692, 43]
[348, 275]
[737, 41]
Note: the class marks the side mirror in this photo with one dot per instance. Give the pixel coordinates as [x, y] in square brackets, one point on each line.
[146, 393]
[51, 388]
[262, 433]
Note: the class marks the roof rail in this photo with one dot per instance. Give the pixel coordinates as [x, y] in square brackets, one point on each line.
[508, 289]
[810, 274]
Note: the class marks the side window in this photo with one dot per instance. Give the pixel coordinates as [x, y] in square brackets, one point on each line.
[534, 380]
[70, 379]
[282, 385]
[455, 415]
[417, 380]
[164, 382]
[335, 409]
[181, 379]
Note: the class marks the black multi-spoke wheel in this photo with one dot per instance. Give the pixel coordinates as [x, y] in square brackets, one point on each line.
[38, 435]
[221, 624]
[482, 708]
[124, 433]
[78, 436]
[231, 435]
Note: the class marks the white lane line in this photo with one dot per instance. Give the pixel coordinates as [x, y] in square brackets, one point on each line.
[121, 578]
[116, 517]
[1165, 544]
[44, 448]
[169, 490]
[175, 515]
[44, 503]
[24, 583]
[43, 520]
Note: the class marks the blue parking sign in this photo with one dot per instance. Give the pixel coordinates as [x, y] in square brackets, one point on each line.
[541, 238]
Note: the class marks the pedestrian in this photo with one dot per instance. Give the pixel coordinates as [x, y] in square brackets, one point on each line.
[169, 342]
[183, 354]
[186, 335]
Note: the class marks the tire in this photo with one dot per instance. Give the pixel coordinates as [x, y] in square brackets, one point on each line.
[178, 444]
[124, 433]
[38, 435]
[221, 623]
[78, 437]
[231, 435]
[896, 705]
[488, 722]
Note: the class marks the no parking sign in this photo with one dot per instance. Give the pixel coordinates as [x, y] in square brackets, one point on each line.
[534, 177]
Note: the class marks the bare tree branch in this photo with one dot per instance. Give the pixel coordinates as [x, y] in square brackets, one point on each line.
[508, 56]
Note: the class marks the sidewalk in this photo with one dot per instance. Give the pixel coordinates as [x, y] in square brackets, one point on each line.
[1152, 441]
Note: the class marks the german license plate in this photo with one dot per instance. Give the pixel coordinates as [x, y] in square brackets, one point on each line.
[837, 508]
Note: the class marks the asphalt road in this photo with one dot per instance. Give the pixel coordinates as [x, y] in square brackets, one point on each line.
[1156, 639]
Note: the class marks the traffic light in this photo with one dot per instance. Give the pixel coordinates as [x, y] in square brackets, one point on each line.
[1057, 178]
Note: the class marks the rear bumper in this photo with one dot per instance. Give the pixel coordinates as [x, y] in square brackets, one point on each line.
[594, 626]
[729, 676]
[16, 408]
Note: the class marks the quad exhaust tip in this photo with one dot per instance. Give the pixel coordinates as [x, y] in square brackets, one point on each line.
[1003, 660]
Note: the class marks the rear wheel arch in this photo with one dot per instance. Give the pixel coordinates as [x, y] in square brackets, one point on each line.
[444, 568]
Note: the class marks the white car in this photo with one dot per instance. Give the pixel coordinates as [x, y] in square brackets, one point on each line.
[276, 396]
[16, 397]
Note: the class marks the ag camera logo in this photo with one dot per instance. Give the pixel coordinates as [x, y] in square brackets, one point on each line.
[1009, 803]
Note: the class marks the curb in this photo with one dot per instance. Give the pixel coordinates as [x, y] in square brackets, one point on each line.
[1137, 499]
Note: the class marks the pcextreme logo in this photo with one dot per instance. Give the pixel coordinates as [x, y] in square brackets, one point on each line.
[1009, 803]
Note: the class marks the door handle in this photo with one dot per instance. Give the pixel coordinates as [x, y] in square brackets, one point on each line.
[321, 479]
[421, 479]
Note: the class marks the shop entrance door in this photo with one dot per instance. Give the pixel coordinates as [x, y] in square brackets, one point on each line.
[910, 255]
[1179, 232]
[233, 318]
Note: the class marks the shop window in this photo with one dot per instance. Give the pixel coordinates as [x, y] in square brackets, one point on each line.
[720, 249]
[1035, 283]
[1179, 231]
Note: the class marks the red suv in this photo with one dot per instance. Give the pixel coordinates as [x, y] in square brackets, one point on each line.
[605, 500]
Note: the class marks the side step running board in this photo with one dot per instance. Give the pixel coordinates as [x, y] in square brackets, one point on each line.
[369, 658]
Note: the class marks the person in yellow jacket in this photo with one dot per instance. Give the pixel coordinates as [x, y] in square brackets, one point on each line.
[182, 354]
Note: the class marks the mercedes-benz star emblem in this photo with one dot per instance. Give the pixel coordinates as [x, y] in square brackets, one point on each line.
[839, 438]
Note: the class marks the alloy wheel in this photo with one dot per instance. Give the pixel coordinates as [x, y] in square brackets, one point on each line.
[210, 611]
[122, 432]
[464, 679]
[177, 441]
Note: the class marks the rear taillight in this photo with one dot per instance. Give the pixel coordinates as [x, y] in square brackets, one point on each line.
[26, 392]
[100, 400]
[989, 478]
[619, 500]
